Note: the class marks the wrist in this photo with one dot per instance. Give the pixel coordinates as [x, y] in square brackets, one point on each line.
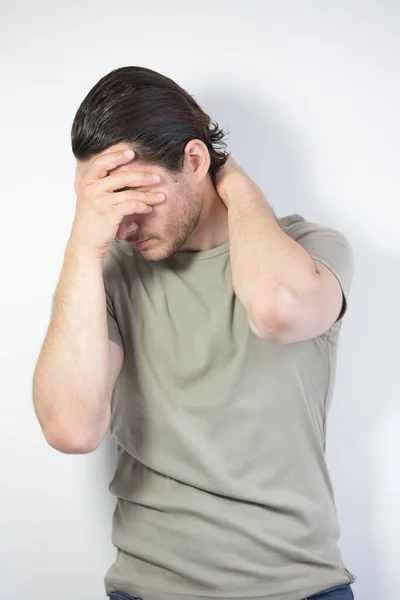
[239, 192]
[77, 251]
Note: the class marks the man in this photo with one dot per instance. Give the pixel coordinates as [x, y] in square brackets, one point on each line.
[204, 331]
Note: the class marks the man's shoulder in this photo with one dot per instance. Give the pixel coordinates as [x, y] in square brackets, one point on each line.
[298, 227]
[288, 221]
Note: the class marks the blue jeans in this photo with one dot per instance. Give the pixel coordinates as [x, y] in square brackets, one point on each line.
[342, 592]
[122, 596]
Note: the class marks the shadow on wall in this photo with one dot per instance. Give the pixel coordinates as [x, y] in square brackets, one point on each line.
[368, 355]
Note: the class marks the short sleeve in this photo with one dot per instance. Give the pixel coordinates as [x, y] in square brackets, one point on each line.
[114, 333]
[331, 248]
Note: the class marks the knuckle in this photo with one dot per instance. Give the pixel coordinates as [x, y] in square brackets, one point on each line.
[118, 197]
[97, 203]
[85, 192]
[102, 161]
[127, 195]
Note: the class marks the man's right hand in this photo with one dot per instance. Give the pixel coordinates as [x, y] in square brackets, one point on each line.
[100, 209]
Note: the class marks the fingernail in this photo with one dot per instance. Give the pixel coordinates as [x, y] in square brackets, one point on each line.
[160, 196]
[129, 152]
[155, 177]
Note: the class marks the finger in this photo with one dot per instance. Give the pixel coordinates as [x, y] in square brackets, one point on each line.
[149, 197]
[122, 179]
[108, 161]
[132, 207]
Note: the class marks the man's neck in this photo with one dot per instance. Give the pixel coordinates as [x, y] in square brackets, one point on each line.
[212, 229]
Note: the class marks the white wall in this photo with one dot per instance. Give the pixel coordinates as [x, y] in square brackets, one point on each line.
[310, 91]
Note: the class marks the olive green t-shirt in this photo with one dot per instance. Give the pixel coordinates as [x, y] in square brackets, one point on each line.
[221, 482]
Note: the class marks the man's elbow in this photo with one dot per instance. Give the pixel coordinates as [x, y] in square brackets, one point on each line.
[270, 320]
[71, 440]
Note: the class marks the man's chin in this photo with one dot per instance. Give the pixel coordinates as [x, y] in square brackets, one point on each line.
[153, 251]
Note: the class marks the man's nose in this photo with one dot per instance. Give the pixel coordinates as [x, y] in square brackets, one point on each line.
[127, 226]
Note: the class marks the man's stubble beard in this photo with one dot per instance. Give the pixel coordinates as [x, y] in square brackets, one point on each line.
[187, 216]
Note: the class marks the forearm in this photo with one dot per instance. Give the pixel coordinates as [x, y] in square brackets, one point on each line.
[71, 377]
[269, 269]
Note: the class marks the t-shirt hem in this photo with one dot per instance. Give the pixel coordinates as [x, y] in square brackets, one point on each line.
[146, 593]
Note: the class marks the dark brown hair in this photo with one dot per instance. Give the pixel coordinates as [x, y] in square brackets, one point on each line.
[150, 111]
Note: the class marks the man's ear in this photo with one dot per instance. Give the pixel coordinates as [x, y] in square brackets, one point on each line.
[197, 159]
